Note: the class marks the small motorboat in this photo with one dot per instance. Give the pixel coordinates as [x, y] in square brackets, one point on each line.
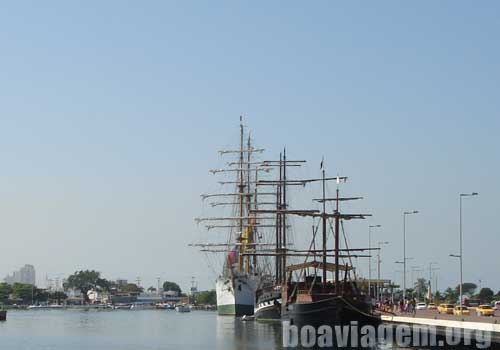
[164, 306]
[182, 308]
[142, 306]
[45, 307]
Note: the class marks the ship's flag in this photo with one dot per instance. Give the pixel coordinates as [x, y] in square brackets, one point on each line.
[233, 256]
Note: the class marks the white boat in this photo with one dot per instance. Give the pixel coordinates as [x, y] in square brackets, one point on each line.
[142, 306]
[87, 307]
[122, 306]
[235, 294]
[164, 306]
[182, 308]
[45, 307]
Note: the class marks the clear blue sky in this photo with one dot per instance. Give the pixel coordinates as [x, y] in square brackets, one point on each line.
[111, 113]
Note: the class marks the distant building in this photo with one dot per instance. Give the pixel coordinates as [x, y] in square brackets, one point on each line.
[171, 293]
[121, 282]
[96, 297]
[25, 274]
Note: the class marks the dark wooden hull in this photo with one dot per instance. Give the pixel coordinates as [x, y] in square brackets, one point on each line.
[330, 311]
[268, 306]
[270, 313]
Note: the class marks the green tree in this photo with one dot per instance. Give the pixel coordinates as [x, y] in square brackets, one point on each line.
[5, 291]
[40, 295]
[85, 281]
[486, 295]
[467, 288]
[451, 295]
[171, 286]
[421, 287]
[207, 298]
[57, 296]
[23, 291]
[131, 288]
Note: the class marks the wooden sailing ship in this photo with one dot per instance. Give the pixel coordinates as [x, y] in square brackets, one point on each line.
[302, 293]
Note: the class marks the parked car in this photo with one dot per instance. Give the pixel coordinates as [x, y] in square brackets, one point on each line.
[431, 306]
[485, 310]
[421, 306]
[445, 309]
[458, 312]
[496, 305]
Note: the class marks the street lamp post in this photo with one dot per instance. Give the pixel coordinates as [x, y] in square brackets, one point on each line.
[413, 282]
[379, 294]
[430, 278]
[404, 249]
[370, 259]
[403, 272]
[461, 255]
[396, 274]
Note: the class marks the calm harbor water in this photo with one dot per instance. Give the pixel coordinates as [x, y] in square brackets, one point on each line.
[133, 330]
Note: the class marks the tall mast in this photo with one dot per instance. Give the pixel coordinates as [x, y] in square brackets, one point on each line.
[324, 226]
[241, 185]
[255, 206]
[337, 219]
[284, 207]
[279, 228]
[250, 221]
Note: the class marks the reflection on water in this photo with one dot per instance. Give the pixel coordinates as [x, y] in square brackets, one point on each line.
[135, 330]
[233, 333]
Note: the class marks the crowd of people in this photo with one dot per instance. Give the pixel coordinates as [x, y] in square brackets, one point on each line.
[404, 306]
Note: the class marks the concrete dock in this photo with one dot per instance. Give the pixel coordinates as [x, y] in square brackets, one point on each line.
[441, 322]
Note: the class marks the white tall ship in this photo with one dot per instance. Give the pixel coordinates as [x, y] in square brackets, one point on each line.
[240, 275]
[235, 294]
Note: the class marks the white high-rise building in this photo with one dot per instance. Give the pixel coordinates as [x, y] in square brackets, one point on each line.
[26, 274]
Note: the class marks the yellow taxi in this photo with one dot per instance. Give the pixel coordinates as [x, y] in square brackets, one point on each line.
[458, 312]
[445, 309]
[485, 310]
[431, 306]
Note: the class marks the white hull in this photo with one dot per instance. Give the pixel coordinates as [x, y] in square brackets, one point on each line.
[182, 308]
[235, 295]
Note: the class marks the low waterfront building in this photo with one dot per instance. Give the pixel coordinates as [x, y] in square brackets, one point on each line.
[123, 298]
[96, 297]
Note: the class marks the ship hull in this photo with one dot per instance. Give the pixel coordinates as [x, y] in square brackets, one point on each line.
[270, 313]
[268, 307]
[331, 311]
[235, 295]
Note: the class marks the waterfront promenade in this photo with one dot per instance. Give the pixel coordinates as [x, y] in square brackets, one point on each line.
[443, 321]
[466, 318]
[433, 314]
